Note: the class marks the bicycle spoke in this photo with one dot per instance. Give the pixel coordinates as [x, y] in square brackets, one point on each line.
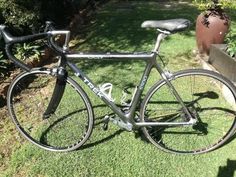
[70, 124]
[214, 115]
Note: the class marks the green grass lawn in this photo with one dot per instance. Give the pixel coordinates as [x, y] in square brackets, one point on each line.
[116, 152]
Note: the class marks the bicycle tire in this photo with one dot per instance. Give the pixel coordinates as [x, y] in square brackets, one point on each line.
[67, 128]
[210, 98]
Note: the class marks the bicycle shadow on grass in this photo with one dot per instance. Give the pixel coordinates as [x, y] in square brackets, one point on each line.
[117, 28]
[108, 138]
[98, 121]
[201, 128]
[229, 170]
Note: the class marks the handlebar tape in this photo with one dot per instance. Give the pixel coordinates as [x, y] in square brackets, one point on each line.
[9, 39]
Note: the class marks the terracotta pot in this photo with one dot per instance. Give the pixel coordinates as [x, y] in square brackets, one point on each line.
[211, 28]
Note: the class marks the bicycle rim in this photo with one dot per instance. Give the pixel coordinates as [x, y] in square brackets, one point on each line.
[67, 128]
[210, 99]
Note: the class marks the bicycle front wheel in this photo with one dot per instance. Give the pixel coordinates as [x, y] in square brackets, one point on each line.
[66, 127]
[210, 99]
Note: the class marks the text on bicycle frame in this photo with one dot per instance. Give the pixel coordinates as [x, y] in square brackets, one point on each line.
[93, 88]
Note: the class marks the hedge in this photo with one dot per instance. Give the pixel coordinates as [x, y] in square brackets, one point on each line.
[28, 15]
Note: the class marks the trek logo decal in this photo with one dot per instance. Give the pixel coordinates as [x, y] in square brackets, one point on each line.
[93, 88]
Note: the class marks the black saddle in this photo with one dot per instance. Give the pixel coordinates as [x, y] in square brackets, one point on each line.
[172, 25]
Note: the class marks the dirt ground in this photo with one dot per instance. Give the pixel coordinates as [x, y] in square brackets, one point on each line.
[4, 84]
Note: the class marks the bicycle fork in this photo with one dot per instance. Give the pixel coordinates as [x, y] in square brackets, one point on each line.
[58, 91]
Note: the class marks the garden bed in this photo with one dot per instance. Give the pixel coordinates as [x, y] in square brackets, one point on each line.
[219, 61]
[5, 82]
[222, 62]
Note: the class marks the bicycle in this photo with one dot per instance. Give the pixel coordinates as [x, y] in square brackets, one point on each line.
[187, 112]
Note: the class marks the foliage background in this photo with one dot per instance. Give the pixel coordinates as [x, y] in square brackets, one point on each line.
[113, 152]
[27, 15]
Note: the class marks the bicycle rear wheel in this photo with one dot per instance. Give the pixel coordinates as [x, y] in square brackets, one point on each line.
[64, 129]
[209, 97]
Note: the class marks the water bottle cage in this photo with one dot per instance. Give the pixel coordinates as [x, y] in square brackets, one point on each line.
[123, 100]
[106, 89]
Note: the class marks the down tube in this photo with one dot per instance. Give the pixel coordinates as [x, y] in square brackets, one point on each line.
[96, 91]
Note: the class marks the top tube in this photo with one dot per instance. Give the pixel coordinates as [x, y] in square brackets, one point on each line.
[113, 56]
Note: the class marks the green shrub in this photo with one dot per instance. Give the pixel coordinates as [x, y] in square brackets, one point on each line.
[28, 15]
[231, 43]
[4, 62]
[23, 15]
[206, 4]
[4, 65]
[28, 51]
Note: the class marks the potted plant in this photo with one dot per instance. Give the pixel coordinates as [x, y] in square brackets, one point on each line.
[212, 25]
[231, 45]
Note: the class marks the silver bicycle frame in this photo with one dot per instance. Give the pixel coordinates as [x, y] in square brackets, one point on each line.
[150, 64]
[149, 58]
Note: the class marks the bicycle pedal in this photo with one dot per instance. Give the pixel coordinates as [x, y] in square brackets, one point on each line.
[105, 124]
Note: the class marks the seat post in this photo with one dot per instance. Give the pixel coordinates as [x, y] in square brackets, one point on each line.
[162, 35]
